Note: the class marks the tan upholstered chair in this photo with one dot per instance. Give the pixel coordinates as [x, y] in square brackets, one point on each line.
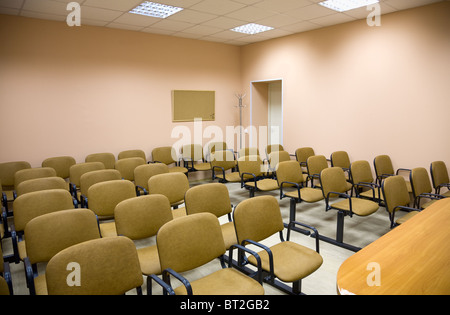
[107, 266]
[259, 218]
[213, 198]
[76, 171]
[143, 173]
[61, 164]
[38, 184]
[32, 173]
[397, 197]
[342, 160]
[192, 241]
[132, 154]
[7, 172]
[90, 178]
[221, 162]
[334, 186]
[362, 177]
[108, 159]
[6, 286]
[253, 175]
[192, 155]
[440, 178]
[172, 185]
[384, 168]
[292, 185]
[276, 157]
[140, 218]
[126, 166]
[104, 197]
[316, 164]
[32, 205]
[50, 233]
[168, 156]
[421, 188]
[273, 148]
[302, 155]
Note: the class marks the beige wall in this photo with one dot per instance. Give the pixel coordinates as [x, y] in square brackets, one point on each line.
[76, 91]
[366, 90]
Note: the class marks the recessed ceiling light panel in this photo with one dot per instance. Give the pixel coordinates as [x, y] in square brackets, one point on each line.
[252, 29]
[157, 10]
[346, 5]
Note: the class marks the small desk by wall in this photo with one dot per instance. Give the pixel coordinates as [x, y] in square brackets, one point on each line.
[412, 259]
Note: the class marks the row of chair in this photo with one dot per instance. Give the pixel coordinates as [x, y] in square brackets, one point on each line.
[58, 228]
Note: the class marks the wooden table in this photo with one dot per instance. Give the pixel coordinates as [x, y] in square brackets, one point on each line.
[413, 258]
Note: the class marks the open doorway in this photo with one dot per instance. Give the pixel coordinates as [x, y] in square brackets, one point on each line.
[267, 112]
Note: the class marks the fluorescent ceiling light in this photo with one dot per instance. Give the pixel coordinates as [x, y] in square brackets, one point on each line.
[346, 5]
[157, 10]
[252, 29]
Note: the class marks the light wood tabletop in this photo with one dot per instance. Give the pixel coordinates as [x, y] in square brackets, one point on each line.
[412, 259]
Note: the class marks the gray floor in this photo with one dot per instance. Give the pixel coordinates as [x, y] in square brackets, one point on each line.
[358, 231]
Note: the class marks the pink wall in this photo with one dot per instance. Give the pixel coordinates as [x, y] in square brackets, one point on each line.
[366, 90]
[76, 91]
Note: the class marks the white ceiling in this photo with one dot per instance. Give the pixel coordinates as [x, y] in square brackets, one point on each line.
[209, 20]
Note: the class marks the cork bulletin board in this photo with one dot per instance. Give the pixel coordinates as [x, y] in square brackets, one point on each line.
[188, 105]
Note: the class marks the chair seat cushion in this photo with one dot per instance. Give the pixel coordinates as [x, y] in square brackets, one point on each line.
[178, 169]
[233, 177]
[264, 184]
[307, 194]
[178, 213]
[202, 167]
[291, 261]
[108, 229]
[406, 217]
[226, 281]
[149, 260]
[360, 207]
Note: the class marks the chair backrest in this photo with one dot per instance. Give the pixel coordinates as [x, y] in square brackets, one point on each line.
[34, 204]
[217, 146]
[273, 148]
[141, 217]
[7, 171]
[61, 164]
[302, 154]
[289, 171]
[190, 242]
[103, 197]
[90, 178]
[50, 233]
[361, 172]
[383, 165]
[132, 154]
[333, 179]
[250, 164]
[38, 184]
[276, 157]
[126, 166]
[108, 159]
[143, 173]
[316, 164]
[77, 170]
[395, 192]
[420, 181]
[224, 159]
[340, 159]
[165, 155]
[213, 198]
[248, 152]
[257, 218]
[439, 173]
[106, 266]
[32, 173]
[172, 185]
[193, 152]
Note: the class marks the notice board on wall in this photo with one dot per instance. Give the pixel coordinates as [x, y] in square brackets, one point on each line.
[187, 105]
